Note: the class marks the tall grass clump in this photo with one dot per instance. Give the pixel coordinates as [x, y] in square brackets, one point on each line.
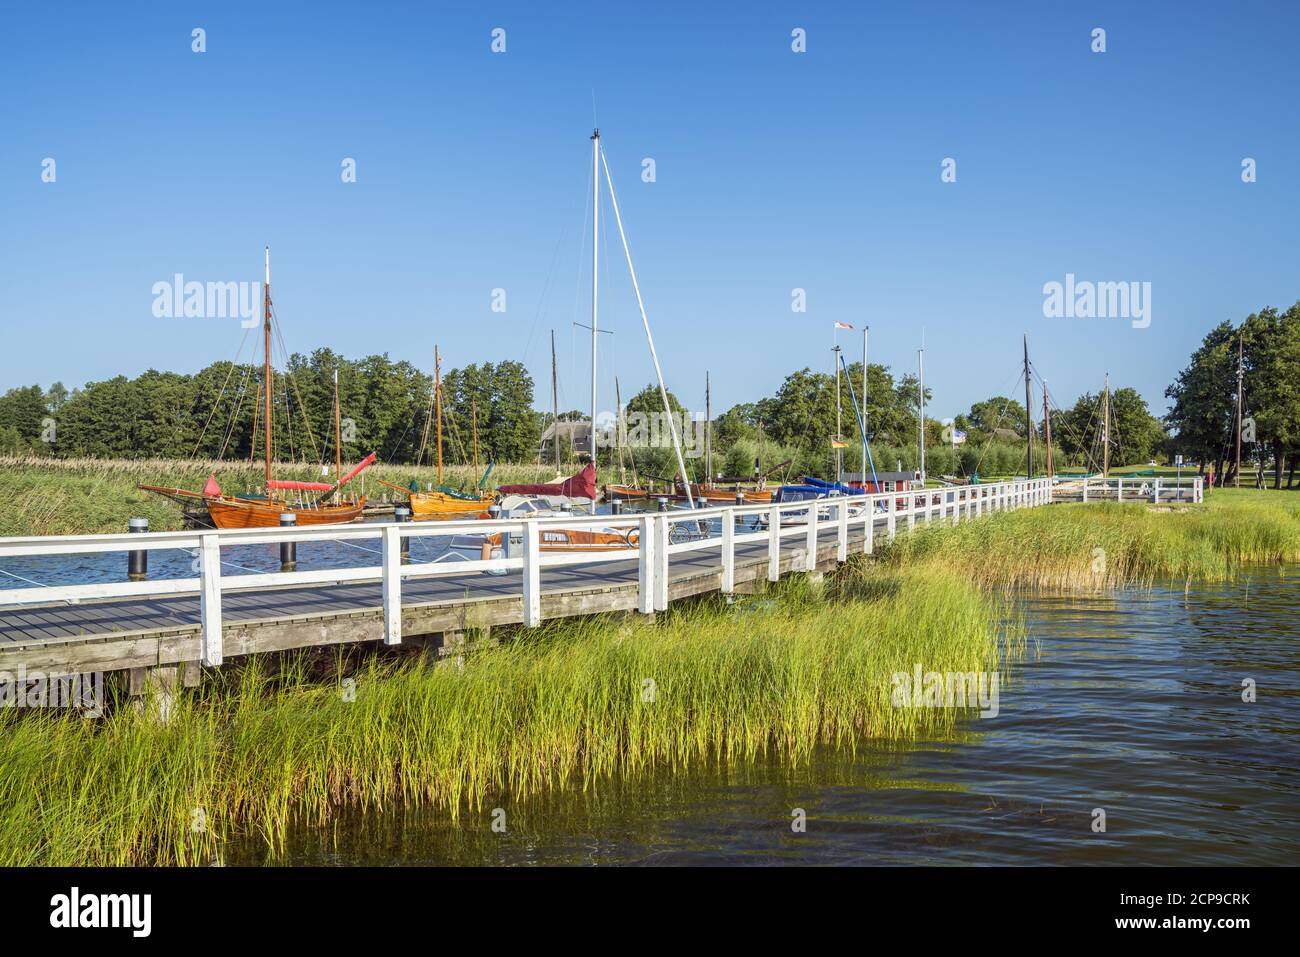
[1102, 545]
[564, 705]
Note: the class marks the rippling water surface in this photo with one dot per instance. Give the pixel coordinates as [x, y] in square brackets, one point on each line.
[1132, 704]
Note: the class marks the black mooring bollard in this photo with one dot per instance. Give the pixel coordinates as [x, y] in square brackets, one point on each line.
[137, 562]
[740, 498]
[616, 507]
[289, 549]
[663, 504]
[403, 514]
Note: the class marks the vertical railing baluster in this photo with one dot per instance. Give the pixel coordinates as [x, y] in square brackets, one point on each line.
[663, 528]
[842, 543]
[646, 565]
[774, 544]
[391, 554]
[728, 551]
[810, 542]
[210, 598]
[532, 574]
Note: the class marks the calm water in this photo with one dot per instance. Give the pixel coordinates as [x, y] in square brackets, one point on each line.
[1131, 704]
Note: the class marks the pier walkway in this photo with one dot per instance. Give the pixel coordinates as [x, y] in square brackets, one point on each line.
[171, 623]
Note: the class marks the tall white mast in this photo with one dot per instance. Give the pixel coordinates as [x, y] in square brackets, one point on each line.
[659, 373]
[866, 330]
[595, 274]
[920, 360]
[839, 430]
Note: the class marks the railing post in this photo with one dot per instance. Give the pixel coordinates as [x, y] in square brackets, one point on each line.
[728, 551]
[532, 574]
[891, 506]
[842, 544]
[810, 543]
[869, 536]
[1119, 490]
[911, 509]
[1155, 495]
[210, 598]
[1085, 488]
[663, 527]
[391, 553]
[646, 566]
[774, 544]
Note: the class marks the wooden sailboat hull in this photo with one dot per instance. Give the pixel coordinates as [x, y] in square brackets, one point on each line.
[439, 505]
[575, 540]
[627, 491]
[712, 493]
[228, 512]
[707, 493]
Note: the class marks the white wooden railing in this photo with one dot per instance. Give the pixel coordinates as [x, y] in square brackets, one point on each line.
[661, 535]
[1133, 488]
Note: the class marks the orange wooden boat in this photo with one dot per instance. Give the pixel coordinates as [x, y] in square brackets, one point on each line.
[627, 491]
[436, 505]
[234, 511]
[721, 495]
[230, 512]
[609, 539]
[442, 502]
[707, 493]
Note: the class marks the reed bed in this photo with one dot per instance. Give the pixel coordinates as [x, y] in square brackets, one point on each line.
[1101, 546]
[46, 496]
[565, 705]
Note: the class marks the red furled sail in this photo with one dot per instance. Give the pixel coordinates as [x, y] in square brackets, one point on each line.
[302, 486]
[582, 485]
[212, 489]
[365, 464]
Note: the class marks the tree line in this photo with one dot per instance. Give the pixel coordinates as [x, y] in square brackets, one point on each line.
[1264, 349]
[385, 407]
[488, 409]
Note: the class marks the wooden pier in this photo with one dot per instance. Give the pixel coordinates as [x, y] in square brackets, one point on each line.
[177, 625]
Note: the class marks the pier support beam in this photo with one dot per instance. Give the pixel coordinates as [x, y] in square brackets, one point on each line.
[154, 691]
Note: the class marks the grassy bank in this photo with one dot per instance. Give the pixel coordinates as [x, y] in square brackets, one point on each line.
[83, 496]
[1086, 547]
[564, 705]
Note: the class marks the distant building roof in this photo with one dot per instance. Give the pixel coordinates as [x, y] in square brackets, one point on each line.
[568, 430]
[882, 476]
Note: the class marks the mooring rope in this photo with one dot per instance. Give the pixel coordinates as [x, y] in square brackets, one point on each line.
[22, 579]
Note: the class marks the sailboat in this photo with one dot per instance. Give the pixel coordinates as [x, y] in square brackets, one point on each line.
[264, 510]
[442, 502]
[617, 535]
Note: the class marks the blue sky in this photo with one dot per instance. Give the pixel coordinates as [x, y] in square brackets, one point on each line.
[775, 171]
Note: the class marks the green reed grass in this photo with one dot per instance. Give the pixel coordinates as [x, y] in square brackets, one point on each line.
[562, 705]
[1102, 545]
